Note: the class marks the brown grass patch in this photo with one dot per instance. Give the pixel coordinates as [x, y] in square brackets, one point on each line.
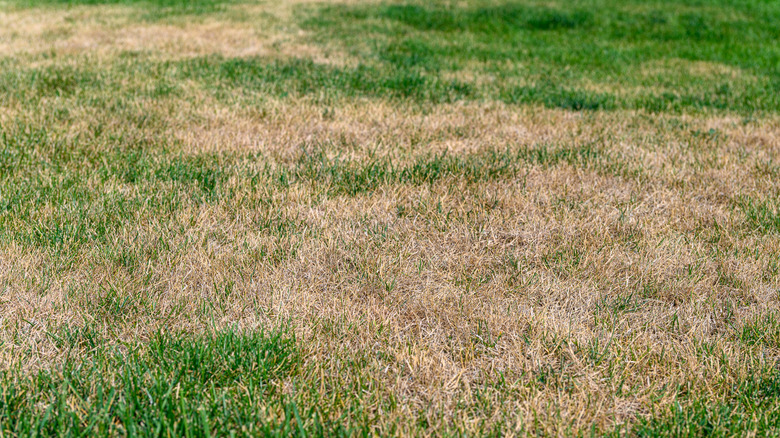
[256, 30]
[565, 293]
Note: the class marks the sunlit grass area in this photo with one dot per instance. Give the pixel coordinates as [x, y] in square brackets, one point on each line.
[405, 218]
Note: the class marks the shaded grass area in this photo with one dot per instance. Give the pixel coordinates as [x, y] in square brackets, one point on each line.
[583, 55]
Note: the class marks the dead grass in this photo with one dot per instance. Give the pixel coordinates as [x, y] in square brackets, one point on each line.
[562, 297]
[109, 31]
[514, 276]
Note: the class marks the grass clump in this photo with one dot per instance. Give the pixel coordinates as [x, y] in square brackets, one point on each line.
[761, 216]
[751, 410]
[216, 384]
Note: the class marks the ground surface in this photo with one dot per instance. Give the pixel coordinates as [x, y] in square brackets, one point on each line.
[394, 218]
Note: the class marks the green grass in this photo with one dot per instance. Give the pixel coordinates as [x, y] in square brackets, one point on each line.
[256, 77]
[175, 385]
[306, 78]
[559, 55]
[752, 409]
[761, 216]
[761, 330]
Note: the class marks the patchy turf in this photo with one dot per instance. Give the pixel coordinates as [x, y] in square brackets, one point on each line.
[389, 218]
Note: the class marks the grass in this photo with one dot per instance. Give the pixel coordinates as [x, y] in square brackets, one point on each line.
[215, 384]
[150, 10]
[658, 56]
[761, 216]
[751, 409]
[389, 218]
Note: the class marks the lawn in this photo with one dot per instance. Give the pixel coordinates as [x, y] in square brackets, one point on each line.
[389, 218]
